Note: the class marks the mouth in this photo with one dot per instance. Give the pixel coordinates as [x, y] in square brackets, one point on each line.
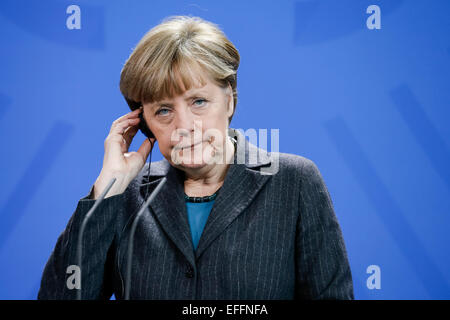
[190, 146]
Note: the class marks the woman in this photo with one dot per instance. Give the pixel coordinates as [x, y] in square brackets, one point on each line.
[231, 221]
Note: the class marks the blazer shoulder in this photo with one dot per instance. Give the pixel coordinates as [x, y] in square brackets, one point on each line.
[157, 168]
[309, 176]
[299, 164]
[301, 168]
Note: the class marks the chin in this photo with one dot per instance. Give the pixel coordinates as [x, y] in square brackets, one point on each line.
[197, 165]
[192, 165]
[187, 161]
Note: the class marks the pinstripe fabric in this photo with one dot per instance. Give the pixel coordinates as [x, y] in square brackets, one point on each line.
[267, 237]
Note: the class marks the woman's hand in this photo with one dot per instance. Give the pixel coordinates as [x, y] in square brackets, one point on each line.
[117, 161]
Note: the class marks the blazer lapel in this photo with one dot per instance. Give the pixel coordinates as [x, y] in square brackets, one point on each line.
[242, 183]
[170, 210]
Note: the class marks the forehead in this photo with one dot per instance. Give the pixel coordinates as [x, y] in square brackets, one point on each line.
[208, 88]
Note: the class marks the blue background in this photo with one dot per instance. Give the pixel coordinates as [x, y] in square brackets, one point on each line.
[369, 107]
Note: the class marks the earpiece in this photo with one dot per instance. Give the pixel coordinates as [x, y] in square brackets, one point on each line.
[144, 128]
[142, 124]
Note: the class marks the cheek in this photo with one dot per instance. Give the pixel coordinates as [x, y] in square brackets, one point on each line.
[216, 119]
[164, 144]
[163, 139]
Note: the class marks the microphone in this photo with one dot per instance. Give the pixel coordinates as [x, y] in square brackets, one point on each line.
[131, 240]
[83, 226]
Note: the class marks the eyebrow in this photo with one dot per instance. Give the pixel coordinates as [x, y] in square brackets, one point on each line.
[194, 94]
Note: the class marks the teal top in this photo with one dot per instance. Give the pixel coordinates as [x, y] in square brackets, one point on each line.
[198, 209]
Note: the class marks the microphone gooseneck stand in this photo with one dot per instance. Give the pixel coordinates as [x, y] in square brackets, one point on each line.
[83, 226]
[131, 239]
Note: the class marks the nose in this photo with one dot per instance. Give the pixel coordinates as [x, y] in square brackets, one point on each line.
[185, 126]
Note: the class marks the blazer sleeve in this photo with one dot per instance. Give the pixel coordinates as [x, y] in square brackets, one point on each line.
[322, 267]
[97, 259]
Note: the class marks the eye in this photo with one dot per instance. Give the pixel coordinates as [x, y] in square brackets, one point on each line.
[202, 102]
[161, 111]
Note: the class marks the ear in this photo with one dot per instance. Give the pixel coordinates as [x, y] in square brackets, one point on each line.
[230, 101]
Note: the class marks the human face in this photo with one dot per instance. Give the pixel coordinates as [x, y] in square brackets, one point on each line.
[192, 128]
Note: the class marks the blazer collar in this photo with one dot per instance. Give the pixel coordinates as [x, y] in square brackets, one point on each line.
[242, 183]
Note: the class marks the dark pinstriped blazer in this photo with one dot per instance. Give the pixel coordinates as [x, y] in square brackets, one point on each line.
[268, 236]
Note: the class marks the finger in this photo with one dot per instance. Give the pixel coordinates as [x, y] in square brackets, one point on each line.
[119, 128]
[114, 142]
[128, 115]
[145, 148]
[131, 115]
[115, 145]
[129, 134]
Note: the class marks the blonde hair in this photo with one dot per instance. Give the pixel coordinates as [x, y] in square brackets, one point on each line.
[171, 53]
